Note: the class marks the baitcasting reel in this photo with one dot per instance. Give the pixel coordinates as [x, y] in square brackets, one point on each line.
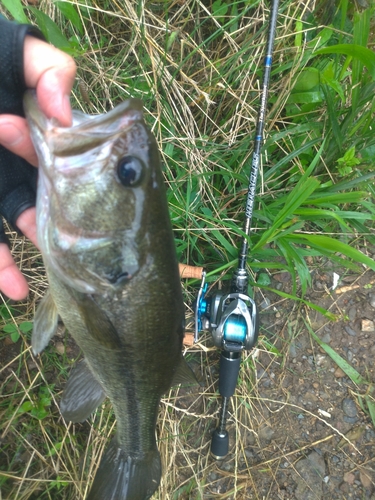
[231, 318]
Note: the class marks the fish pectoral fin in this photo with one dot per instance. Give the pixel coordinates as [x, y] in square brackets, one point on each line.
[45, 323]
[123, 477]
[98, 324]
[184, 374]
[82, 394]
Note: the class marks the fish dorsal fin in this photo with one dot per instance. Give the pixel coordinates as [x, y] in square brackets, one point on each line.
[82, 395]
[98, 324]
[184, 374]
[45, 323]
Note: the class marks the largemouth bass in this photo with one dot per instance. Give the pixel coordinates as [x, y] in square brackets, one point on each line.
[107, 244]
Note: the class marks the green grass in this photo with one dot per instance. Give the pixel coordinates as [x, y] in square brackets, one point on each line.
[197, 67]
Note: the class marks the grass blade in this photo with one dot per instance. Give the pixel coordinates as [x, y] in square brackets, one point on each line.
[15, 8]
[341, 362]
[363, 54]
[332, 245]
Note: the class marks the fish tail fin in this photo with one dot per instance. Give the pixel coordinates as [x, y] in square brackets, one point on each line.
[123, 477]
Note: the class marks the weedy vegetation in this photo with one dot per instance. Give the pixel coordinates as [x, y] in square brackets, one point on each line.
[197, 66]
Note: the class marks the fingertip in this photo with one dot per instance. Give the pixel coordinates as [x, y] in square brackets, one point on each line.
[53, 102]
[66, 110]
[26, 222]
[12, 282]
[15, 136]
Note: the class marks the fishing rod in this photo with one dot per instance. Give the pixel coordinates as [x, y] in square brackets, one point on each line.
[232, 318]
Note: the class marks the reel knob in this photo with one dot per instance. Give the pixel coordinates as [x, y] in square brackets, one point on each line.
[219, 444]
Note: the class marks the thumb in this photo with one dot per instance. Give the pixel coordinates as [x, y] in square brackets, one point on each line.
[52, 73]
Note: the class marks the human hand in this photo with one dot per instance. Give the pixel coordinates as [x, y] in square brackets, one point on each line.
[51, 72]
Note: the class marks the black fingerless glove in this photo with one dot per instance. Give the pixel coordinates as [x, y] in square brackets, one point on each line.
[18, 178]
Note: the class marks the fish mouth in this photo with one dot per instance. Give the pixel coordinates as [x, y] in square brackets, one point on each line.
[87, 131]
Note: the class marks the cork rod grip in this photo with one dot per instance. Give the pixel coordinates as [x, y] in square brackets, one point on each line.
[190, 271]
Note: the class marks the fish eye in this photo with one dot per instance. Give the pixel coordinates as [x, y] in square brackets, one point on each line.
[129, 171]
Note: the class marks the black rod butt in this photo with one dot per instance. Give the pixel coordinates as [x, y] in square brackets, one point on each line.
[219, 444]
[228, 373]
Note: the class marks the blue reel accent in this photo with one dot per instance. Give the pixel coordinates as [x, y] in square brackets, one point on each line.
[235, 329]
[202, 306]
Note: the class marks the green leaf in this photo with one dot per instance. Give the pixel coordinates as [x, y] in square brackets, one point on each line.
[363, 54]
[50, 29]
[362, 26]
[232, 251]
[298, 31]
[286, 159]
[219, 9]
[314, 97]
[349, 159]
[263, 279]
[307, 80]
[293, 130]
[39, 413]
[15, 7]
[53, 451]
[347, 185]
[15, 336]
[322, 38]
[10, 328]
[271, 348]
[70, 12]
[169, 41]
[25, 407]
[26, 326]
[368, 153]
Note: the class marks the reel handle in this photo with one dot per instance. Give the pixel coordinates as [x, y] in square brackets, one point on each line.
[189, 272]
